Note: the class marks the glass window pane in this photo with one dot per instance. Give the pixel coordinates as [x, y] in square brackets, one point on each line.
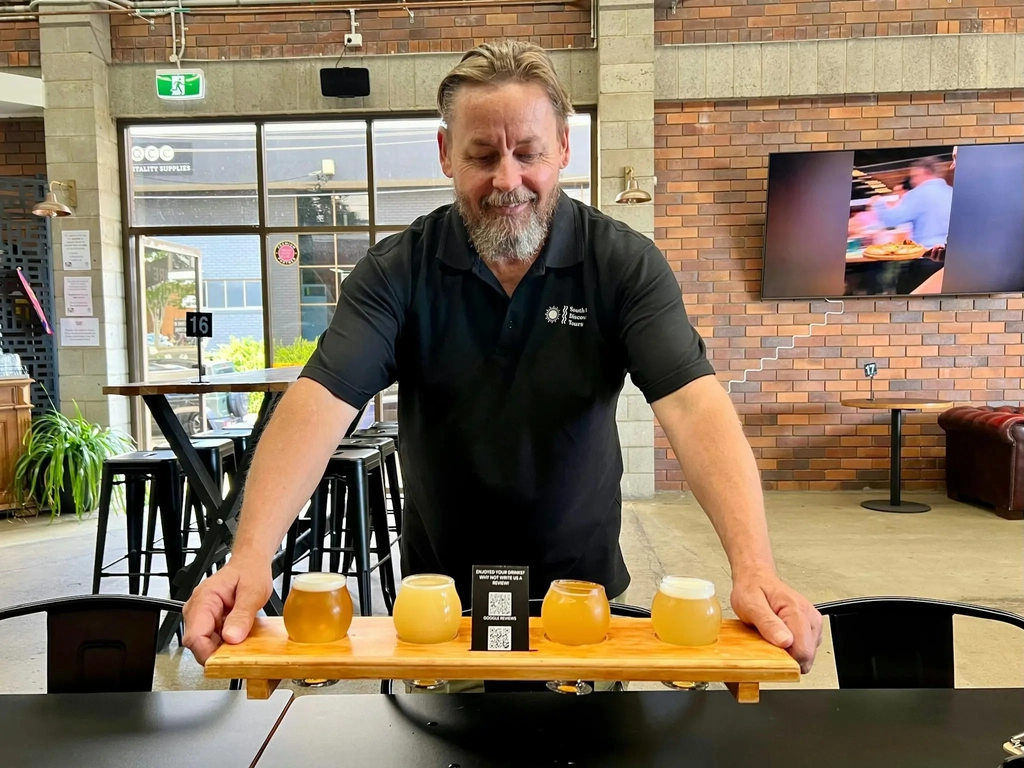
[303, 293]
[380, 235]
[192, 175]
[319, 285]
[316, 173]
[351, 248]
[406, 169]
[575, 177]
[315, 319]
[316, 249]
[236, 294]
[253, 293]
[215, 294]
[170, 267]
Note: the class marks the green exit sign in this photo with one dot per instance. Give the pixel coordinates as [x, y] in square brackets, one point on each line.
[177, 84]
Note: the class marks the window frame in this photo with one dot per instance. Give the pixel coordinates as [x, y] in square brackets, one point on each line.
[373, 231]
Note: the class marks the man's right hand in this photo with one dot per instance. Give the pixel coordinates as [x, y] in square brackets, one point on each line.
[223, 607]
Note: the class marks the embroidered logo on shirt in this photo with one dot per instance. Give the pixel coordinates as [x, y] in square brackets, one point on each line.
[566, 315]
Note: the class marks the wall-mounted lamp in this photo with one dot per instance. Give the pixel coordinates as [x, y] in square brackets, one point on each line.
[632, 194]
[51, 207]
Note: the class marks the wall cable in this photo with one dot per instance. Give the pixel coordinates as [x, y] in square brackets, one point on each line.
[791, 345]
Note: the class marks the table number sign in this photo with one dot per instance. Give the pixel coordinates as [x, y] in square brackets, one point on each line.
[199, 326]
[870, 370]
[501, 608]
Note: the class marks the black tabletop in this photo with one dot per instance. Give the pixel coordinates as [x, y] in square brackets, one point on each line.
[788, 729]
[176, 729]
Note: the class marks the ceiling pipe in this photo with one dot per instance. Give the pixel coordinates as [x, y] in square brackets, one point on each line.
[109, 3]
[196, 7]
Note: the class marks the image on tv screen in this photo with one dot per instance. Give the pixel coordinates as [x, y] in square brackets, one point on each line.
[901, 221]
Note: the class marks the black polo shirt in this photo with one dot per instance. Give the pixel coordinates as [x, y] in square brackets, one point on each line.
[510, 453]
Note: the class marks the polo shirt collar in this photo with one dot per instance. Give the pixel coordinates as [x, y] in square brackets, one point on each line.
[563, 246]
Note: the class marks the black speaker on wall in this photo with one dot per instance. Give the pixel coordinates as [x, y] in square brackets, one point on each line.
[345, 83]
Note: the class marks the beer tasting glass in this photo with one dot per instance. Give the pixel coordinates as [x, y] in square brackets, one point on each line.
[427, 609]
[686, 612]
[318, 608]
[574, 613]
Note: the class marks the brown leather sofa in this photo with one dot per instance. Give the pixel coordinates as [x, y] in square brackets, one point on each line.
[985, 457]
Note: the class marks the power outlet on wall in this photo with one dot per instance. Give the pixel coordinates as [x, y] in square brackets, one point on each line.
[353, 40]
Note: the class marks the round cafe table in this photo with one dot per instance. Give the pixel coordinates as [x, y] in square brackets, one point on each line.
[897, 405]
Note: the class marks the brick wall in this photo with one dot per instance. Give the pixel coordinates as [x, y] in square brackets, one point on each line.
[22, 148]
[263, 36]
[729, 21]
[711, 161]
[19, 44]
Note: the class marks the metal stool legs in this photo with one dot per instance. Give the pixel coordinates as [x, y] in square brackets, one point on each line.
[106, 488]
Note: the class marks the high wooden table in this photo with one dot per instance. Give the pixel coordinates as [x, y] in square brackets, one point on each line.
[166, 729]
[222, 513]
[897, 405]
[788, 729]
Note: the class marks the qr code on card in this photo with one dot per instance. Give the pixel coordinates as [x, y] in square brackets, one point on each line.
[499, 603]
[499, 638]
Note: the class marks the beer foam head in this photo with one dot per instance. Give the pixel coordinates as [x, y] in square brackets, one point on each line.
[428, 581]
[687, 588]
[319, 582]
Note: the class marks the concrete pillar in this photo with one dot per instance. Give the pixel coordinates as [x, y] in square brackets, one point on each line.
[81, 144]
[625, 113]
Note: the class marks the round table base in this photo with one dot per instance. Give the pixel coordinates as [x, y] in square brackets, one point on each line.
[904, 506]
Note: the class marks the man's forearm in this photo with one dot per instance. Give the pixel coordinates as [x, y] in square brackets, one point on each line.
[705, 433]
[304, 431]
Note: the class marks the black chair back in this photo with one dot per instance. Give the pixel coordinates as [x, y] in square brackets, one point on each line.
[99, 643]
[899, 642]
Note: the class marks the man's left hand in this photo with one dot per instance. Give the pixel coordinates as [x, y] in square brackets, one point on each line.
[782, 615]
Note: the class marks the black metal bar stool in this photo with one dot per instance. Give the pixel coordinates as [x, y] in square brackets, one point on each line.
[362, 509]
[159, 471]
[218, 456]
[389, 455]
[239, 436]
[380, 429]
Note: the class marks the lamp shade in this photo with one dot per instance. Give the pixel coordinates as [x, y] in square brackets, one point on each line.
[632, 194]
[50, 207]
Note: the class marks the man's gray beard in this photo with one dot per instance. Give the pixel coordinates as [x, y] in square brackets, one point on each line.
[499, 239]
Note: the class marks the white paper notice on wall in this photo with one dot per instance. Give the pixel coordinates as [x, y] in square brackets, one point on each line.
[74, 249]
[78, 296]
[79, 331]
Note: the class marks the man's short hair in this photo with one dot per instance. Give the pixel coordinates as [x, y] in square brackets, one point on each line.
[930, 164]
[505, 61]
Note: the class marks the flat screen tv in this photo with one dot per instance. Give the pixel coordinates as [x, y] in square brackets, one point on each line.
[902, 221]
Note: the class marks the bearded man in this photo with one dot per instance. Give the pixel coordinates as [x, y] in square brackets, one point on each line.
[509, 321]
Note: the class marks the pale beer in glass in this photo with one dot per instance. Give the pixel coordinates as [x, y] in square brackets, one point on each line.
[686, 611]
[575, 612]
[428, 609]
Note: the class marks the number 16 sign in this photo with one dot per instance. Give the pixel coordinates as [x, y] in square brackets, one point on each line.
[198, 325]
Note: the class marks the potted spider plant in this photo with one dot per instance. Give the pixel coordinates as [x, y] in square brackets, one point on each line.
[62, 462]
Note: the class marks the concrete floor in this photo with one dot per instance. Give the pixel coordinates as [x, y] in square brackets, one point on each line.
[826, 546]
